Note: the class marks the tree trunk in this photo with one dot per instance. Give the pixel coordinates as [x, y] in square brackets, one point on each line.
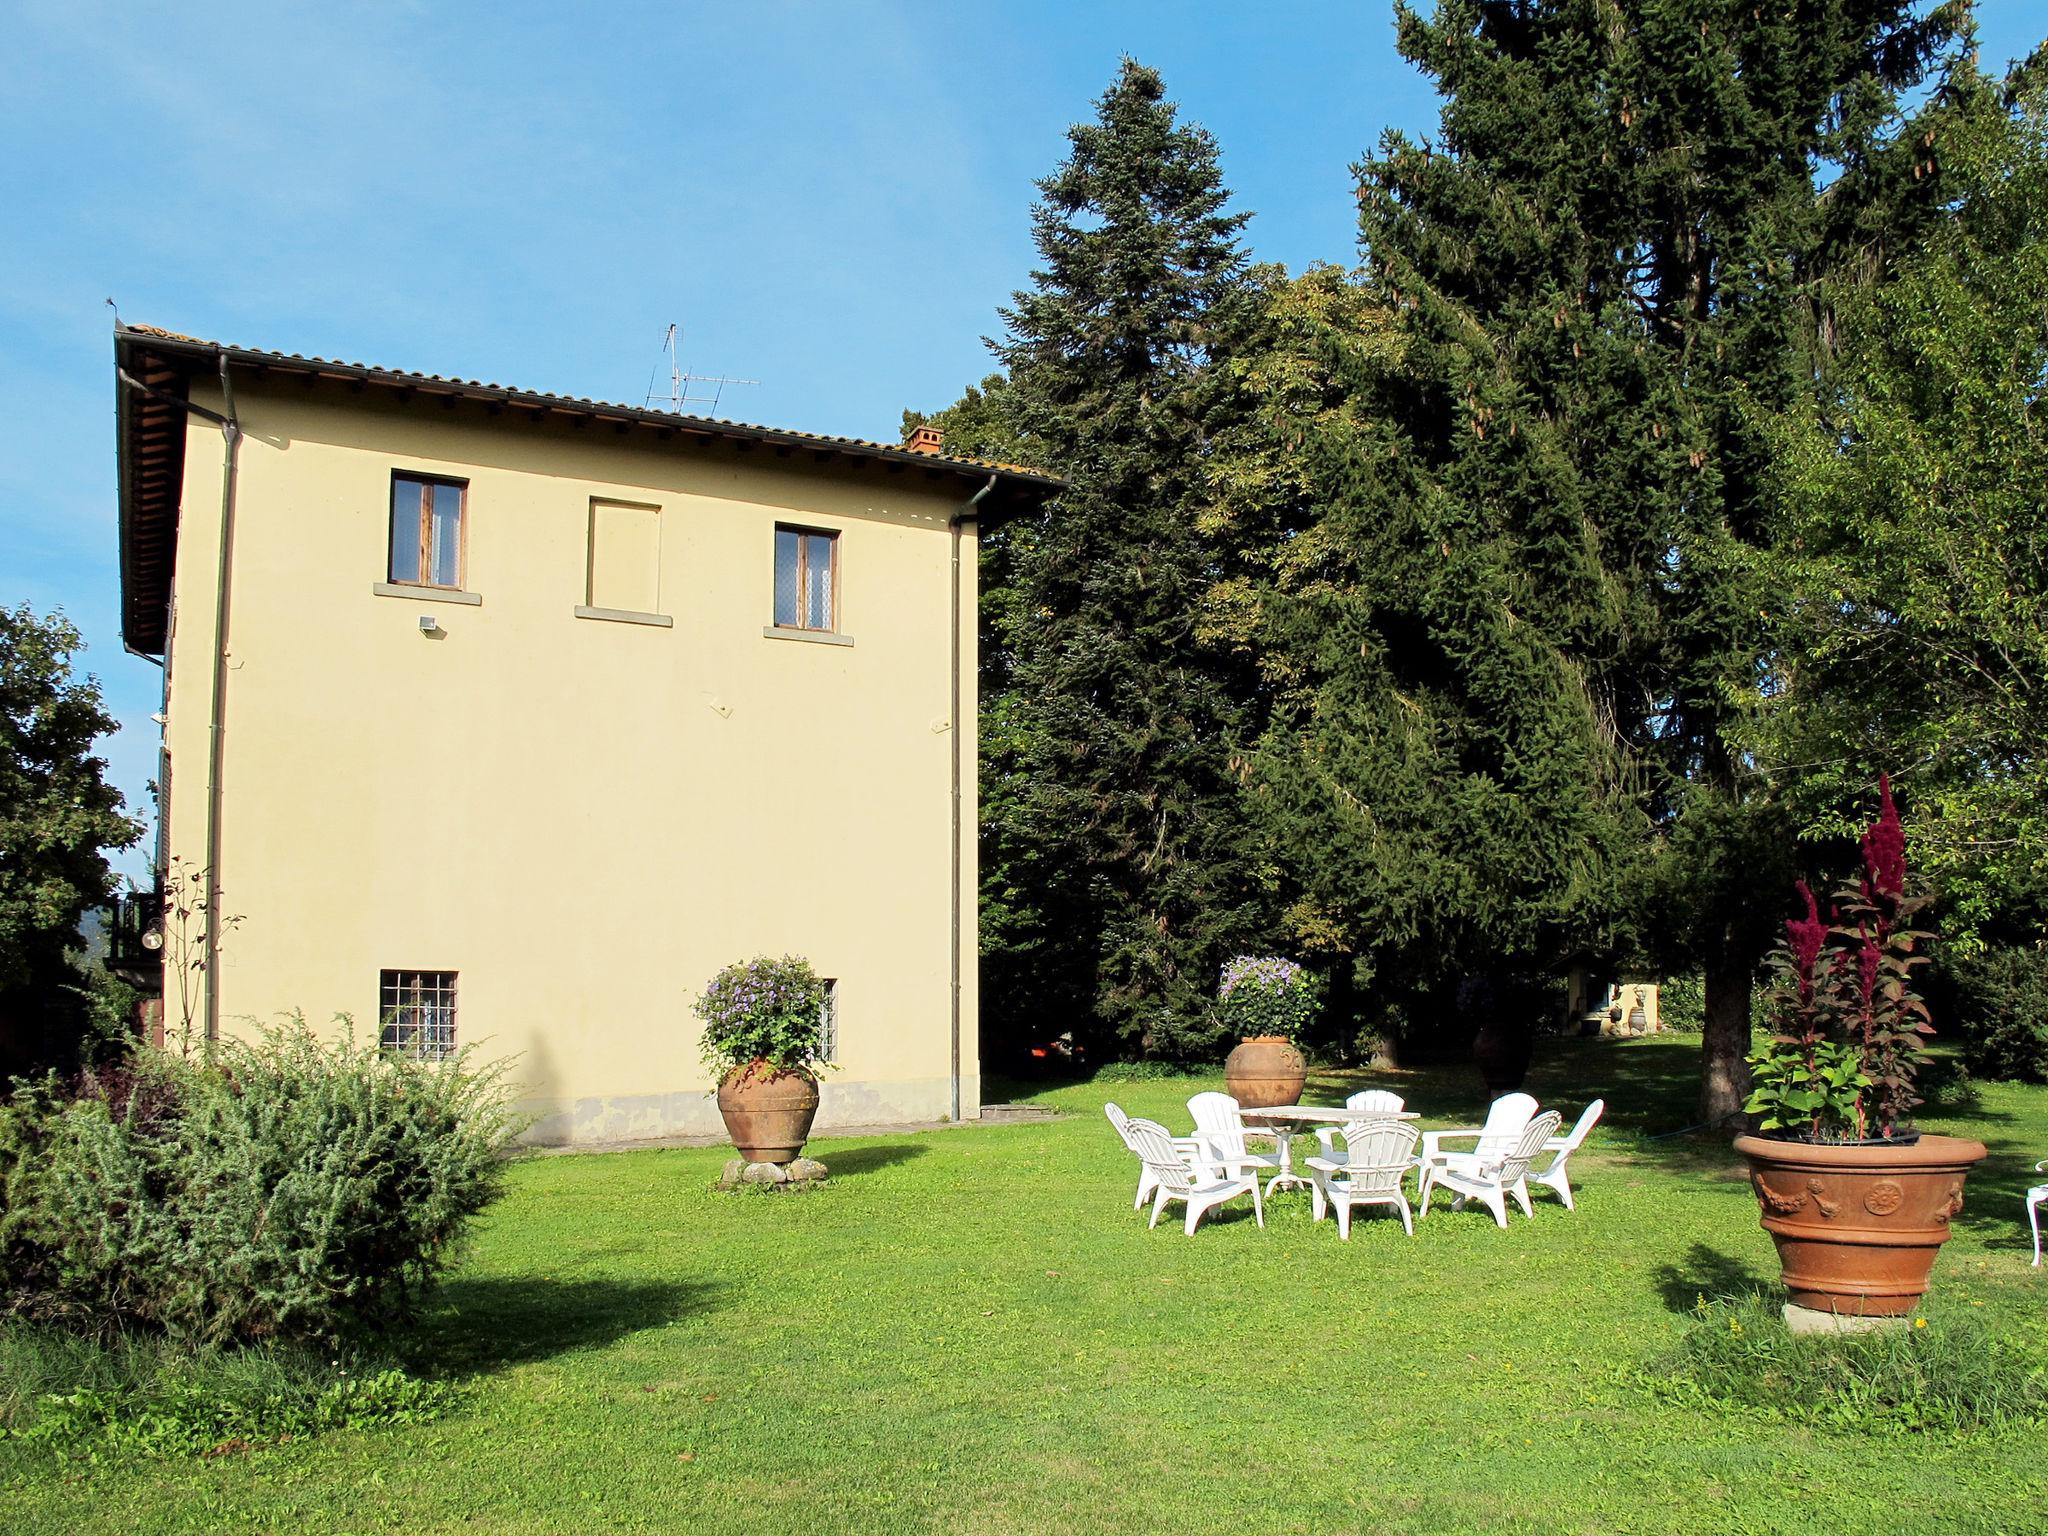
[1724, 1074]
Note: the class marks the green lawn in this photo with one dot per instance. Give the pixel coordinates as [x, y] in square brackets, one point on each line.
[970, 1330]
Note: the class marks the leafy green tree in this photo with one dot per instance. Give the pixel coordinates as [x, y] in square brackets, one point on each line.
[1615, 255]
[57, 814]
[1914, 636]
[1113, 839]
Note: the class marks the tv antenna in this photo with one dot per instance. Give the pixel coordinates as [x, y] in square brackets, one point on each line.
[680, 383]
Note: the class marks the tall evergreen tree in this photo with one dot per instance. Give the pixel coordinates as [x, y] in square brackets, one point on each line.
[1438, 771]
[1615, 255]
[1112, 823]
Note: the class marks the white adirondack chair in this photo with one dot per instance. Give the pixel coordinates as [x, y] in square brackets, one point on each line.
[1377, 1157]
[1505, 1120]
[1177, 1177]
[1187, 1146]
[1490, 1178]
[2036, 1198]
[1553, 1177]
[1377, 1100]
[1220, 1127]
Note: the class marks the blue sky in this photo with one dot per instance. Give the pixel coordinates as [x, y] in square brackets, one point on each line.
[832, 198]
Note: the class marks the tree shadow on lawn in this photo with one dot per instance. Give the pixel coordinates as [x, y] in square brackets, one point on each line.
[479, 1324]
[843, 1161]
[1707, 1273]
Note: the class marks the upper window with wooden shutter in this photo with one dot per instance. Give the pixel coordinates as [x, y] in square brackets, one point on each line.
[427, 532]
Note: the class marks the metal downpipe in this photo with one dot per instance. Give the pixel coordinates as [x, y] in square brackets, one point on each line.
[964, 515]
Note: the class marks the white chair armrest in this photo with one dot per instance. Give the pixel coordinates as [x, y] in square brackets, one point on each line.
[1433, 1141]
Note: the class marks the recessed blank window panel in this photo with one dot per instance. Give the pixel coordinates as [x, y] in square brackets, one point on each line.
[625, 557]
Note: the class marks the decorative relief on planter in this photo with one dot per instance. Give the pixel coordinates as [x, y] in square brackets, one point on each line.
[1777, 1204]
[1821, 1203]
[1885, 1197]
[1954, 1205]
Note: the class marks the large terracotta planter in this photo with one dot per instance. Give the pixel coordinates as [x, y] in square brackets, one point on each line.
[768, 1114]
[1265, 1071]
[1857, 1227]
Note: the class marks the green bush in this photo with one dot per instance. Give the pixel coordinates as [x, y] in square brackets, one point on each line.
[1682, 1004]
[1998, 1009]
[285, 1187]
[1952, 1374]
[144, 1393]
[1185, 1042]
[1142, 1072]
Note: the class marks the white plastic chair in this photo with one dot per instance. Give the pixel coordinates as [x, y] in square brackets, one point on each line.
[1506, 1118]
[1553, 1177]
[2036, 1198]
[1220, 1127]
[1178, 1178]
[1188, 1146]
[1377, 1157]
[1490, 1179]
[1378, 1100]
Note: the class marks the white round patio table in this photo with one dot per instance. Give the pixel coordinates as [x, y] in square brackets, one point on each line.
[1283, 1120]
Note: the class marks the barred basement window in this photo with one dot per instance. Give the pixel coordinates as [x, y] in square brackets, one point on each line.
[828, 1023]
[418, 1013]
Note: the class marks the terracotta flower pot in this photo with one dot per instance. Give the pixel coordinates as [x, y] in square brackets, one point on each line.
[1264, 1071]
[1857, 1227]
[768, 1113]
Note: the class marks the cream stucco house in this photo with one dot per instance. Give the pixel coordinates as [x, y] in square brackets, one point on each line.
[508, 718]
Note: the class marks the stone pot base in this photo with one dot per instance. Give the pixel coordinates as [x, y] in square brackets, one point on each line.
[1804, 1320]
[803, 1170]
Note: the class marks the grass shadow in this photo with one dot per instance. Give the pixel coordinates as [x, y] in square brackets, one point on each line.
[1706, 1272]
[845, 1161]
[480, 1324]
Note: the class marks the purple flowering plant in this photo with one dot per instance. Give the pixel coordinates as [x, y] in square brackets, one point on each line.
[766, 1010]
[1847, 1019]
[1266, 995]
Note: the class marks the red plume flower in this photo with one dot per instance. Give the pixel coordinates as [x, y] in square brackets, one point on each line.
[1884, 847]
[1805, 940]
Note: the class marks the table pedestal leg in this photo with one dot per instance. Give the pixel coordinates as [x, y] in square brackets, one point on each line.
[1284, 1138]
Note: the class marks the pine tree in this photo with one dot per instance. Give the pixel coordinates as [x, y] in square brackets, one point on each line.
[1112, 827]
[1438, 774]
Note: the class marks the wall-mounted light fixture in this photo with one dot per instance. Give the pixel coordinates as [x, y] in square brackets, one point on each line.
[429, 625]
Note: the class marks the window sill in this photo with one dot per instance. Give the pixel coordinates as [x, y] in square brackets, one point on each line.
[624, 616]
[425, 594]
[815, 636]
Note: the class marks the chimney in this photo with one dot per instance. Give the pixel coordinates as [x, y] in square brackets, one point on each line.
[925, 440]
